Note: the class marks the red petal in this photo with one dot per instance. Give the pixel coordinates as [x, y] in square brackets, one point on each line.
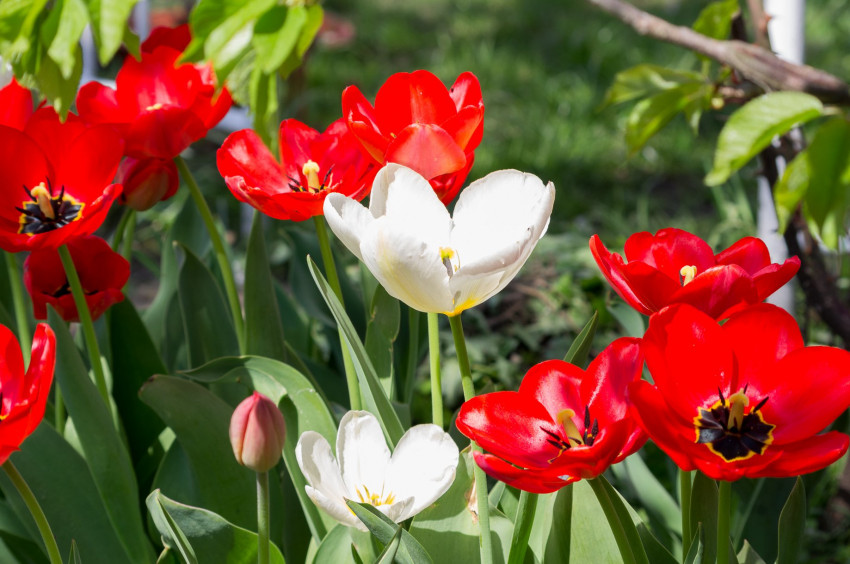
[533, 482]
[427, 149]
[296, 140]
[177, 38]
[447, 186]
[467, 92]
[22, 163]
[611, 265]
[653, 415]
[97, 103]
[412, 98]
[362, 121]
[669, 250]
[466, 127]
[554, 384]
[603, 388]
[85, 178]
[717, 290]
[750, 253]
[15, 105]
[163, 133]
[806, 456]
[774, 276]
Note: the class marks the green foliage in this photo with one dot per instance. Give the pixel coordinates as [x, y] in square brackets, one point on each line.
[792, 525]
[407, 549]
[715, 20]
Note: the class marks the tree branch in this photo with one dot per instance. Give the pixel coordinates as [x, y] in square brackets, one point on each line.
[753, 62]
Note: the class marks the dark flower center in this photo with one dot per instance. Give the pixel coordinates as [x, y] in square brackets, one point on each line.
[45, 212]
[310, 171]
[731, 433]
[573, 438]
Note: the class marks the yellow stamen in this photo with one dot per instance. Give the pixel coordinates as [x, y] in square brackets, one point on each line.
[450, 259]
[311, 171]
[565, 418]
[737, 402]
[43, 200]
[688, 273]
[153, 107]
[374, 499]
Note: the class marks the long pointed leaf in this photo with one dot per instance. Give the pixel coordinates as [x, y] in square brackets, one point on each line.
[409, 552]
[792, 525]
[263, 326]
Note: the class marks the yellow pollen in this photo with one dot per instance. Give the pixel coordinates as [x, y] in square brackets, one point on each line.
[153, 107]
[688, 273]
[450, 259]
[565, 418]
[374, 499]
[43, 200]
[311, 171]
[737, 402]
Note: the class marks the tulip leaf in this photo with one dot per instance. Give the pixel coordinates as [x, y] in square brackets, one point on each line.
[388, 555]
[754, 125]
[67, 492]
[202, 536]
[580, 348]
[105, 453]
[74, 556]
[619, 519]
[704, 498]
[653, 497]
[201, 422]
[344, 544]
[381, 332]
[655, 551]
[792, 525]
[410, 551]
[557, 540]
[748, 555]
[209, 330]
[697, 552]
[263, 327]
[374, 397]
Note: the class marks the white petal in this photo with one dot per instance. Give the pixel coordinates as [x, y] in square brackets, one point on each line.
[398, 511]
[348, 220]
[362, 452]
[319, 466]
[423, 466]
[335, 507]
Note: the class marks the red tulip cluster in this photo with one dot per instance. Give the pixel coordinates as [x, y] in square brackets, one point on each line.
[734, 392]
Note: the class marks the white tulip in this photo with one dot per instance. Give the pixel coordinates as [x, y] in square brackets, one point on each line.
[431, 261]
[399, 485]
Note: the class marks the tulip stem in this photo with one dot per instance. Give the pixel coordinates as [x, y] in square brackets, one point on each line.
[413, 317]
[482, 498]
[35, 509]
[21, 320]
[724, 510]
[124, 233]
[685, 504]
[263, 517]
[218, 247]
[436, 378]
[86, 322]
[522, 526]
[333, 280]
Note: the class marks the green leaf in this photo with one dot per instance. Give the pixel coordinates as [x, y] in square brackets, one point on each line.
[263, 326]
[704, 498]
[580, 348]
[74, 556]
[374, 398]
[410, 551]
[57, 88]
[208, 327]
[557, 547]
[653, 496]
[630, 320]
[655, 551]
[276, 34]
[388, 556]
[791, 189]
[201, 422]
[606, 494]
[646, 80]
[748, 555]
[202, 536]
[381, 332]
[109, 21]
[715, 20]
[697, 552]
[653, 113]
[792, 525]
[754, 125]
[308, 32]
[344, 544]
[107, 458]
[67, 20]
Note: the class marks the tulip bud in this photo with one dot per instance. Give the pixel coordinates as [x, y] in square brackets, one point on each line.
[257, 433]
[147, 181]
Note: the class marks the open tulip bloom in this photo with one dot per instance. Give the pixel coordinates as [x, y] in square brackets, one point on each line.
[430, 260]
[400, 485]
[564, 423]
[742, 399]
[674, 266]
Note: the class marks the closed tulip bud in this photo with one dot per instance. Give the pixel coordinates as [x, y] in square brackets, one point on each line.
[147, 181]
[257, 433]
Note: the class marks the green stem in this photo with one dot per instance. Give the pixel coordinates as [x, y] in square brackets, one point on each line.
[262, 517]
[85, 322]
[436, 379]
[724, 512]
[58, 411]
[21, 319]
[35, 509]
[129, 234]
[413, 317]
[121, 227]
[617, 527]
[482, 499]
[685, 485]
[333, 280]
[218, 247]
[522, 527]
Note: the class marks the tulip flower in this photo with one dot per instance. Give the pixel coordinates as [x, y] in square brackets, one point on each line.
[400, 485]
[741, 399]
[674, 266]
[55, 180]
[16, 105]
[564, 423]
[102, 272]
[24, 394]
[312, 165]
[159, 106]
[418, 123]
[257, 433]
[147, 181]
[430, 260]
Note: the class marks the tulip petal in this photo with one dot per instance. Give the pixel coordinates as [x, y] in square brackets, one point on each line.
[335, 507]
[774, 276]
[520, 478]
[243, 154]
[362, 452]
[417, 97]
[319, 466]
[603, 389]
[555, 385]
[349, 221]
[669, 250]
[750, 253]
[612, 267]
[718, 290]
[426, 148]
[362, 122]
[806, 456]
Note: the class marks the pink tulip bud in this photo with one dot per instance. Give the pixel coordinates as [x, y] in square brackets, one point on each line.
[257, 433]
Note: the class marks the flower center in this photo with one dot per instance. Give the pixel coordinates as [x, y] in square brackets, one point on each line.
[373, 498]
[44, 212]
[732, 432]
[572, 437]
[310, 172]
[450, 260]
[154, 107]
[688, 273]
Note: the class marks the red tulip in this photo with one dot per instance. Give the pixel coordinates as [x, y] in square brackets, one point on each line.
[16, 105]
[420, 124]
[562, 425]
[24, 395]
[312, 165]
[257, 433]
[102, 273]
[55, 180]
[147, 181]
[674, 266]
[745, 398]
[159, 106]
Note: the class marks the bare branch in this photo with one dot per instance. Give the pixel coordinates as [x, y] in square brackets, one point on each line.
[753, 62]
